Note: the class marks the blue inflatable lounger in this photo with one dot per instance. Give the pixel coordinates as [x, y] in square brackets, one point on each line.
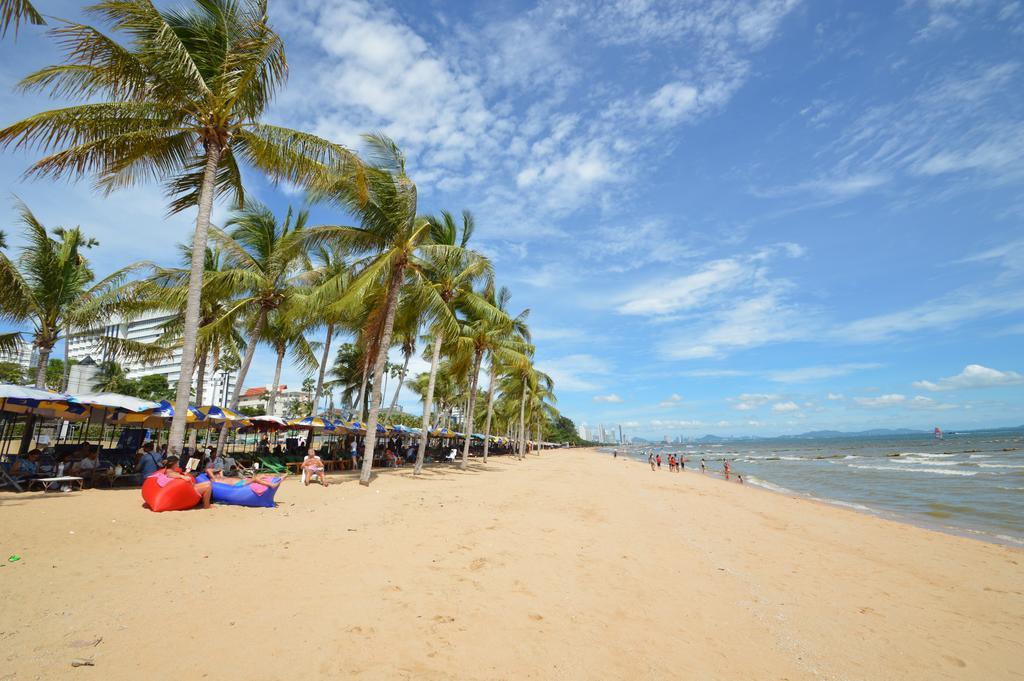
[241, 495]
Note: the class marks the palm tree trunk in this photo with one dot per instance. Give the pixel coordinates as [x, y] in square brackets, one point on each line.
[30, 420]
[398, 388]
[195, 288]
[378, 371]
[67, 362]
[522, 421]
[250, 350]
[193, 434]
[428, 401]
[361, 400]
[323, 369]
[272, 400]
[470, 407]
[490, 407]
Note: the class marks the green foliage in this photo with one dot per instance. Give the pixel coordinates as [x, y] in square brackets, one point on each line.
[560, 429]
[153, 387]
[10, 372]
[252, 411]
[113, 378]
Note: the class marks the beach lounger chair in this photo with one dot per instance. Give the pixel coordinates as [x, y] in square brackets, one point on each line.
[9, 480]
[271, 465]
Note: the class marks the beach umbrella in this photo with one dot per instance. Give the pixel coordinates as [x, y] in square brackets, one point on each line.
[223, 415]
[399, 428]
[160, 417]
[314, 422]
[21, 392]
[442, 432]
[114, 401]
[268, 422]
[478, 436]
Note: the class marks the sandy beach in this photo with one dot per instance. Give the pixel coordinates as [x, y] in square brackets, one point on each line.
[570, 565]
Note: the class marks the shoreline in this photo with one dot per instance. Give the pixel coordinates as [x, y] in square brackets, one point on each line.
[592, 569]
[987, 536]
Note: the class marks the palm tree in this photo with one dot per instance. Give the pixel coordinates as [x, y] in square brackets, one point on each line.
[445, 273]
[284, 333]
[179, 101]
[330, 280]
[263, 260]
[51, 286]
[392, 232]
[513, 329]
[16, 11]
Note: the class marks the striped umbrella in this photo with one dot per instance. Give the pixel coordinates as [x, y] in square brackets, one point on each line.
[161, 417]
[442, 432]
[360, 427]
[229, 417]
[314, 422]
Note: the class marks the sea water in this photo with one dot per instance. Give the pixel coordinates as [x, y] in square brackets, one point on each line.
[970, 484]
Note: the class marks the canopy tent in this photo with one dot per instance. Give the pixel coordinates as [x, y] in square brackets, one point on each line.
[268, 423]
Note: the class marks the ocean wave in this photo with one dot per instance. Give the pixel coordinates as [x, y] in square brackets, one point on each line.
[767, 485]
[999, 465]
[980, 456]
[926, 455]
[907, 469]
[846, 504]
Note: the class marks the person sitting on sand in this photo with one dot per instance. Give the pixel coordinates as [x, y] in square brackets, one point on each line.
[169, 471]
[88, 465]
[390, 459]
[311, 465]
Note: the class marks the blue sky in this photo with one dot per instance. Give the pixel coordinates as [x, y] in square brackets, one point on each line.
[729, 217]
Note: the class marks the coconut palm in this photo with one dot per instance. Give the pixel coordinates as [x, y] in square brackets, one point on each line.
[444, 274]
[51, 287]
[264, 262]
[179, 100]
[284, 333]
[13, 12]
[512, 329]
[391, 231]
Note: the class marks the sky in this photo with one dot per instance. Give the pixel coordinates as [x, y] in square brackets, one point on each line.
[740, 218]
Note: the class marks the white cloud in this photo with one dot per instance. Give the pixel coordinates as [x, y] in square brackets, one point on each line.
[748, 401]
[671, 401]
[612, 398]
[817, 373]
[973, 376]
[686, 292]
[785, 407]
[889, 400]
[835, 397]
[577, 372]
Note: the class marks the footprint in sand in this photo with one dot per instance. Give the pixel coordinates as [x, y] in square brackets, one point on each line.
[955, 661]
[536, 617]
[478, 564]
[444, 619]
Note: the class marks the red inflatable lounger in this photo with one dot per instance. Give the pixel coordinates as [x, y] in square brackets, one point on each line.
[177, 495]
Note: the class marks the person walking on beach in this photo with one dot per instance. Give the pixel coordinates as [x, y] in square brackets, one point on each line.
[726, 468]
[703, 466]
[650, 460]
[682, 462]
[615, 453]
[659, 460]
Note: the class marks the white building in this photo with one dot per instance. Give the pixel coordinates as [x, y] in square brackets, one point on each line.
[24, 355]
[147, 329]
[259, 397]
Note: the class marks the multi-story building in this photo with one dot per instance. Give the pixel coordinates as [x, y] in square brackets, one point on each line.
[24, 355]
[216, 388]
[258, 398]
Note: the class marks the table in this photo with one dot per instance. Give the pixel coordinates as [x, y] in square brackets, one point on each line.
[47, 484]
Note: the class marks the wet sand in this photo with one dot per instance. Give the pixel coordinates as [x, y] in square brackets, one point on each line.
[570, 565]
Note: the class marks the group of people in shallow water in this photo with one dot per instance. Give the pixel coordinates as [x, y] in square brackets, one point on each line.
[678, 464]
